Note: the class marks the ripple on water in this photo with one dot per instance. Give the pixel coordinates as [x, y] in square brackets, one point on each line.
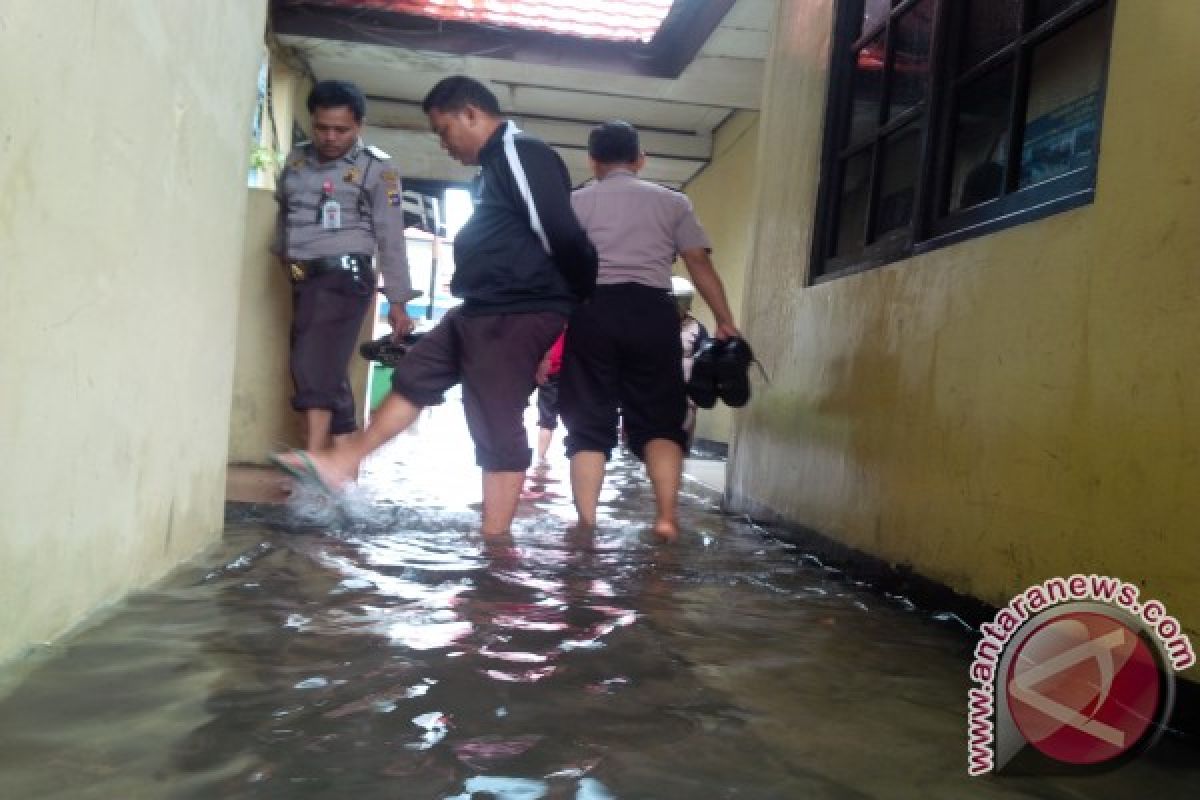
[383, 649]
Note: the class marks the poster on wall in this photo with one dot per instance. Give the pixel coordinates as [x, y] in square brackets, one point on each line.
[1060, 141]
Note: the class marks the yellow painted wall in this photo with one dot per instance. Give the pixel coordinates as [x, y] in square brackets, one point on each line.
[262, 419]
[723, 196]
[1014, 407]
[124, 143]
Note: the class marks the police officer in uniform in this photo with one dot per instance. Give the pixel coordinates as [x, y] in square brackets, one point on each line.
[340, 210]
[624, 350]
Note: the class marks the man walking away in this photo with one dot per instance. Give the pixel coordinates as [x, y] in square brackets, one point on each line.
[623, 349]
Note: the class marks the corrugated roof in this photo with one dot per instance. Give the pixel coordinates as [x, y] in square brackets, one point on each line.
[614, 20]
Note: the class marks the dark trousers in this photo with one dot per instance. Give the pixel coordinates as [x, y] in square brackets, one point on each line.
[623, 355]
[327, 315]
[495, 357]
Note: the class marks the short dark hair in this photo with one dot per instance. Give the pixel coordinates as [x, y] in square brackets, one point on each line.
[457, 92]
[614, 142]
[335, 94]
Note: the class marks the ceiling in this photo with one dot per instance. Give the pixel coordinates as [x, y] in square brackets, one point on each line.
[558, 103]
[611, 20]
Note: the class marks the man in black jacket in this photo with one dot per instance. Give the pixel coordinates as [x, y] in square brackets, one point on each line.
[522, 263]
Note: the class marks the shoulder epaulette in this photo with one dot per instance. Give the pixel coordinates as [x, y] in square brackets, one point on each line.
[376, 153]
[297, 156]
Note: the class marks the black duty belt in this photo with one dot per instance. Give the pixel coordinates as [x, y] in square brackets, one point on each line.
[356, 264]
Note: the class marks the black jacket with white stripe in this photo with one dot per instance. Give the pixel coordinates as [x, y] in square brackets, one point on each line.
[523, 249]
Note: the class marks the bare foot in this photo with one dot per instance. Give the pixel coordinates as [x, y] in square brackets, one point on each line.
[667, 529]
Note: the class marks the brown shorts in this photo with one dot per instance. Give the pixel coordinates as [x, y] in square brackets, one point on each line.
[327, 314]
[495, 357]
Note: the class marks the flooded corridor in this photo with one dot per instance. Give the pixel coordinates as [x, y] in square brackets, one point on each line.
[392, 652]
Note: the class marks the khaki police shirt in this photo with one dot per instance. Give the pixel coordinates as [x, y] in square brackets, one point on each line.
[638, 228]
[373, 226]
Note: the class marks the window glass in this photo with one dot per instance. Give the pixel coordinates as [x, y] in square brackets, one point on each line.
[852, 204]
[910, 69]
[997, 153]
[261, 147]
[898, 184]
[1063, 113]
[990, 25]
[980, 135]
[875, 13]
[1045, 9]
[868, 82]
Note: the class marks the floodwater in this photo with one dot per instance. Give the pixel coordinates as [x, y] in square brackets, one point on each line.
[392, 652]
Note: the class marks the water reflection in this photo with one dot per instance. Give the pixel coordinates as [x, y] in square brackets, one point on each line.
[397, 654]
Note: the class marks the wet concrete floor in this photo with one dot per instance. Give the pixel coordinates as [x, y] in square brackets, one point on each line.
[390, 651]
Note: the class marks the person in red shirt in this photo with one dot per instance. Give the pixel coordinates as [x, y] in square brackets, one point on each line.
[547, 402]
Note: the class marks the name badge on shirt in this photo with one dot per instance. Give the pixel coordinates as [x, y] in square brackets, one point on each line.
[331, 215]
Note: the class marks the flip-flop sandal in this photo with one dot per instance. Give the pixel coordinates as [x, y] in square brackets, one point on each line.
[305, 474]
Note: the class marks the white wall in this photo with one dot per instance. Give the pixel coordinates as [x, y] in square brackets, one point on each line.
[124, 138]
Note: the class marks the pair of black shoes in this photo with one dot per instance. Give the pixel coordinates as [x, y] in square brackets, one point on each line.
[721, 371]
[386, 351]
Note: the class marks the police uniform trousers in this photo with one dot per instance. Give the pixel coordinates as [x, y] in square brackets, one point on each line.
[623, 356]
[327, 315]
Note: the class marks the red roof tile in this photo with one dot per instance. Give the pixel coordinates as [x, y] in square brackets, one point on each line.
[616, 20]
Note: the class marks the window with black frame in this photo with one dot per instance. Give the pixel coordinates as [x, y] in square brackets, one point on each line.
[953, 118]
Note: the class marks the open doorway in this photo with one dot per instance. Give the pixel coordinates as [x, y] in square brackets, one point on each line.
[435, 211]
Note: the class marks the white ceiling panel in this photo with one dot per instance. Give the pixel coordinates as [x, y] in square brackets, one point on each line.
[668, 171]
[667, 128]
[737, 43]
[574, 134]
[402, 116]
[706, 81]
[418, 155]
[589, 105]
[752, 14]
[409, 117]
[560, 104]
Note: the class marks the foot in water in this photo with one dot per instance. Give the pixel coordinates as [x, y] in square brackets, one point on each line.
[321, 470]
[667, 528]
